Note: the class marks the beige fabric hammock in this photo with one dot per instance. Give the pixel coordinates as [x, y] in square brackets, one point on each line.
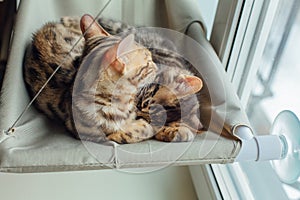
[39, 145]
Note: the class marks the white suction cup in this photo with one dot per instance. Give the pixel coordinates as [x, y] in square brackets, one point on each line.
[287, 127]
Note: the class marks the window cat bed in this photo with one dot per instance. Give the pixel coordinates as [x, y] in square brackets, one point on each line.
[39, 145]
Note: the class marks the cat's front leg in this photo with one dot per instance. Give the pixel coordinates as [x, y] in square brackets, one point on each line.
[133, 132]
[175, 132]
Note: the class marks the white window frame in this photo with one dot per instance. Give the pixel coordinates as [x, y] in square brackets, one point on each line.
[239, 36]
[246, 55]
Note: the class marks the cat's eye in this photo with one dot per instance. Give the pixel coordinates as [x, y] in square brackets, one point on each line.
[68, 40]
[145, 105]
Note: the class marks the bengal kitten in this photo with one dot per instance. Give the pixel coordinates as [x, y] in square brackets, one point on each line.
[171, 104]
[171, 108]
[128, 120]
[125, 66]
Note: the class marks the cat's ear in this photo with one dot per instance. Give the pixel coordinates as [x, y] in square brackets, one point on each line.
[125, 46]
[120, 54]
[192, 85]
[91, 28]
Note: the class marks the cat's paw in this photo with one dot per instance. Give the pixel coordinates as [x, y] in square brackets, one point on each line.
[119, 137]
[134, 132]
[175, 134]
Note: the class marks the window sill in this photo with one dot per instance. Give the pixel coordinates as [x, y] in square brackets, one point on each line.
[249, 180]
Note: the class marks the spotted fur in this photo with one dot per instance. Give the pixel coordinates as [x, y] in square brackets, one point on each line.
[116, 72]
[163, 108]
[167, 104]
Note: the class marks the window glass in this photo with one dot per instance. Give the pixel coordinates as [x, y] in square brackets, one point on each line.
[277, 84]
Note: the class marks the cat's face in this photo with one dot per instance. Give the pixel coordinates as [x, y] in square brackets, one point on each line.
[125, 62]
[130, 63]
[166, 101]
[164, 105]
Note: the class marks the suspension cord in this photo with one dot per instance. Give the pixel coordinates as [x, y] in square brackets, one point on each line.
[12, 128]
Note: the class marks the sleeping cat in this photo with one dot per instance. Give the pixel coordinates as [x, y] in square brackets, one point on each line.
[173, 94]
[130, 65]
[173, 113]
[122, 60]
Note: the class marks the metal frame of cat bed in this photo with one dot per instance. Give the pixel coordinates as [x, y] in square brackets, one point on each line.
[39, 145]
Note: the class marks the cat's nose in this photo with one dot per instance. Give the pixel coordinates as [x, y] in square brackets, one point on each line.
[153, 66]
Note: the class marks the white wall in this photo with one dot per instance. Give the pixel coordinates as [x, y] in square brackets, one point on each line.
[172, 183]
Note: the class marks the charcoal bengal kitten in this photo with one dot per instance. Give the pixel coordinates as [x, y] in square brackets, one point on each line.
[129, 72]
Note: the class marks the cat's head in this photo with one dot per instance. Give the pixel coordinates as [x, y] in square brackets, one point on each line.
[172, 99]
[125, 60]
